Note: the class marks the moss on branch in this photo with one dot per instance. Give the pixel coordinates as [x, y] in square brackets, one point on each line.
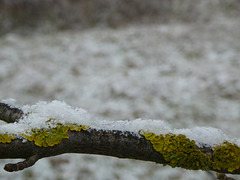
[226, 156]
[58, 138]
[179, 151]
[45, 137]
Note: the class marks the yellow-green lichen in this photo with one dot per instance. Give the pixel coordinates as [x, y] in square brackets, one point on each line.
[52, 136]
[6, 138]
[226, 156]
[74, 127]
[179, 151]
[45, 137]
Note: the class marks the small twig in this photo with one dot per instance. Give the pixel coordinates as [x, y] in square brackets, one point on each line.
[22, 165]
[10, 114]
[222, 176]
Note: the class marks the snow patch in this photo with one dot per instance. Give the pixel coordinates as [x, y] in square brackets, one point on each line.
[60, 112]
[10, 102]
[204, 135]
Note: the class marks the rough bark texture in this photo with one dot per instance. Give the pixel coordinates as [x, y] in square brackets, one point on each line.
[110, 143]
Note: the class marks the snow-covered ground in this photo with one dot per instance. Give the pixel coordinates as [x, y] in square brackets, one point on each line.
[184, 74]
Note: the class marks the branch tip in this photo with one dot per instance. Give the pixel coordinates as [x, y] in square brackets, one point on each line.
[22, 165]
[222, 176]
[10, 114]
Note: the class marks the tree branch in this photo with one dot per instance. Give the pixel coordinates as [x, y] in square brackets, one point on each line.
[122, 144]
[103, 142]
[9, 114]
[22, 165]
[222, 176]
[110, 143]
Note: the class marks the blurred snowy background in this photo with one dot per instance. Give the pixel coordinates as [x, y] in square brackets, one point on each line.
[176, 61]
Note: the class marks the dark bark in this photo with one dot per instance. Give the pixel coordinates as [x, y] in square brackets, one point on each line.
[22, 165]
[222, 176]
[9, 114]
[122, 144]
[110, 143]
[103, 142]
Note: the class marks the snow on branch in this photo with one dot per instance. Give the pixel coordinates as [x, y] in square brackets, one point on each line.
[49, 129]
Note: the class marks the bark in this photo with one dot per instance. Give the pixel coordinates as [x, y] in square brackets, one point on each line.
[110, 143]
[9, 114]
[103, 142]
[92, 141]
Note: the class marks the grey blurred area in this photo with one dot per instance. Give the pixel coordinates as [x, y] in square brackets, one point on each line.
[174, 60]
[25, 16]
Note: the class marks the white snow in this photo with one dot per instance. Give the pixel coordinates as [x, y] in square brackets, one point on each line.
[206, 136]
[40, 113]
[185, 74]
[10, 102]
